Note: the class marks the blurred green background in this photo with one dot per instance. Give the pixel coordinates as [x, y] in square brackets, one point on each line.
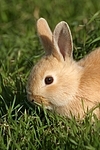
[18, 24]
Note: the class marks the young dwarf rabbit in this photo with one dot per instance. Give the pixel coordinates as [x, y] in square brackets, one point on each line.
[57, 81]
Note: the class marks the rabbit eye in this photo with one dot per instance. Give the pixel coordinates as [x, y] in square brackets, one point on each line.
[48, 80]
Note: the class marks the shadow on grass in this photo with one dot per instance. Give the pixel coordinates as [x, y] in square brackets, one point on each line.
[13, 100]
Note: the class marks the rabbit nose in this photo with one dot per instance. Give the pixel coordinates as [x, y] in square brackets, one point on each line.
[32, 100]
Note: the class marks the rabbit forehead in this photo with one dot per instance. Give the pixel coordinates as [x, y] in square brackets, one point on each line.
[48, 65]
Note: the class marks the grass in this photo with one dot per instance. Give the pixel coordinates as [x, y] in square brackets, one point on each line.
[26, 127]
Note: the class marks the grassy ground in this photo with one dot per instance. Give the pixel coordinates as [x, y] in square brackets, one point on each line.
[26, 127]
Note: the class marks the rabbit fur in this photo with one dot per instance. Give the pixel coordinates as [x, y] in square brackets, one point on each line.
[75, 86]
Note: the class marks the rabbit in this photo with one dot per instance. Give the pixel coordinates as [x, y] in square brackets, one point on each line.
[58, 82]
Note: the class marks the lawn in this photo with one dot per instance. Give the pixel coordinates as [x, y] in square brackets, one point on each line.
[24, 126]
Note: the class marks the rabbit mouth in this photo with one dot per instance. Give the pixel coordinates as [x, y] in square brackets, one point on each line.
[41, 101]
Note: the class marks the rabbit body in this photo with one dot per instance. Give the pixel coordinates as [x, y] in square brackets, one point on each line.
[57, 81]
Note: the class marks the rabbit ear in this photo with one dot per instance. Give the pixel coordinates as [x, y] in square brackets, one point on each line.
[45, 34]
[62, 40]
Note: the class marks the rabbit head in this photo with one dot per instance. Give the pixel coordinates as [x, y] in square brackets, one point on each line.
[54, 80]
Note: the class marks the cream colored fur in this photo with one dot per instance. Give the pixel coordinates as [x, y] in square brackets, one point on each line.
[76, 86]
